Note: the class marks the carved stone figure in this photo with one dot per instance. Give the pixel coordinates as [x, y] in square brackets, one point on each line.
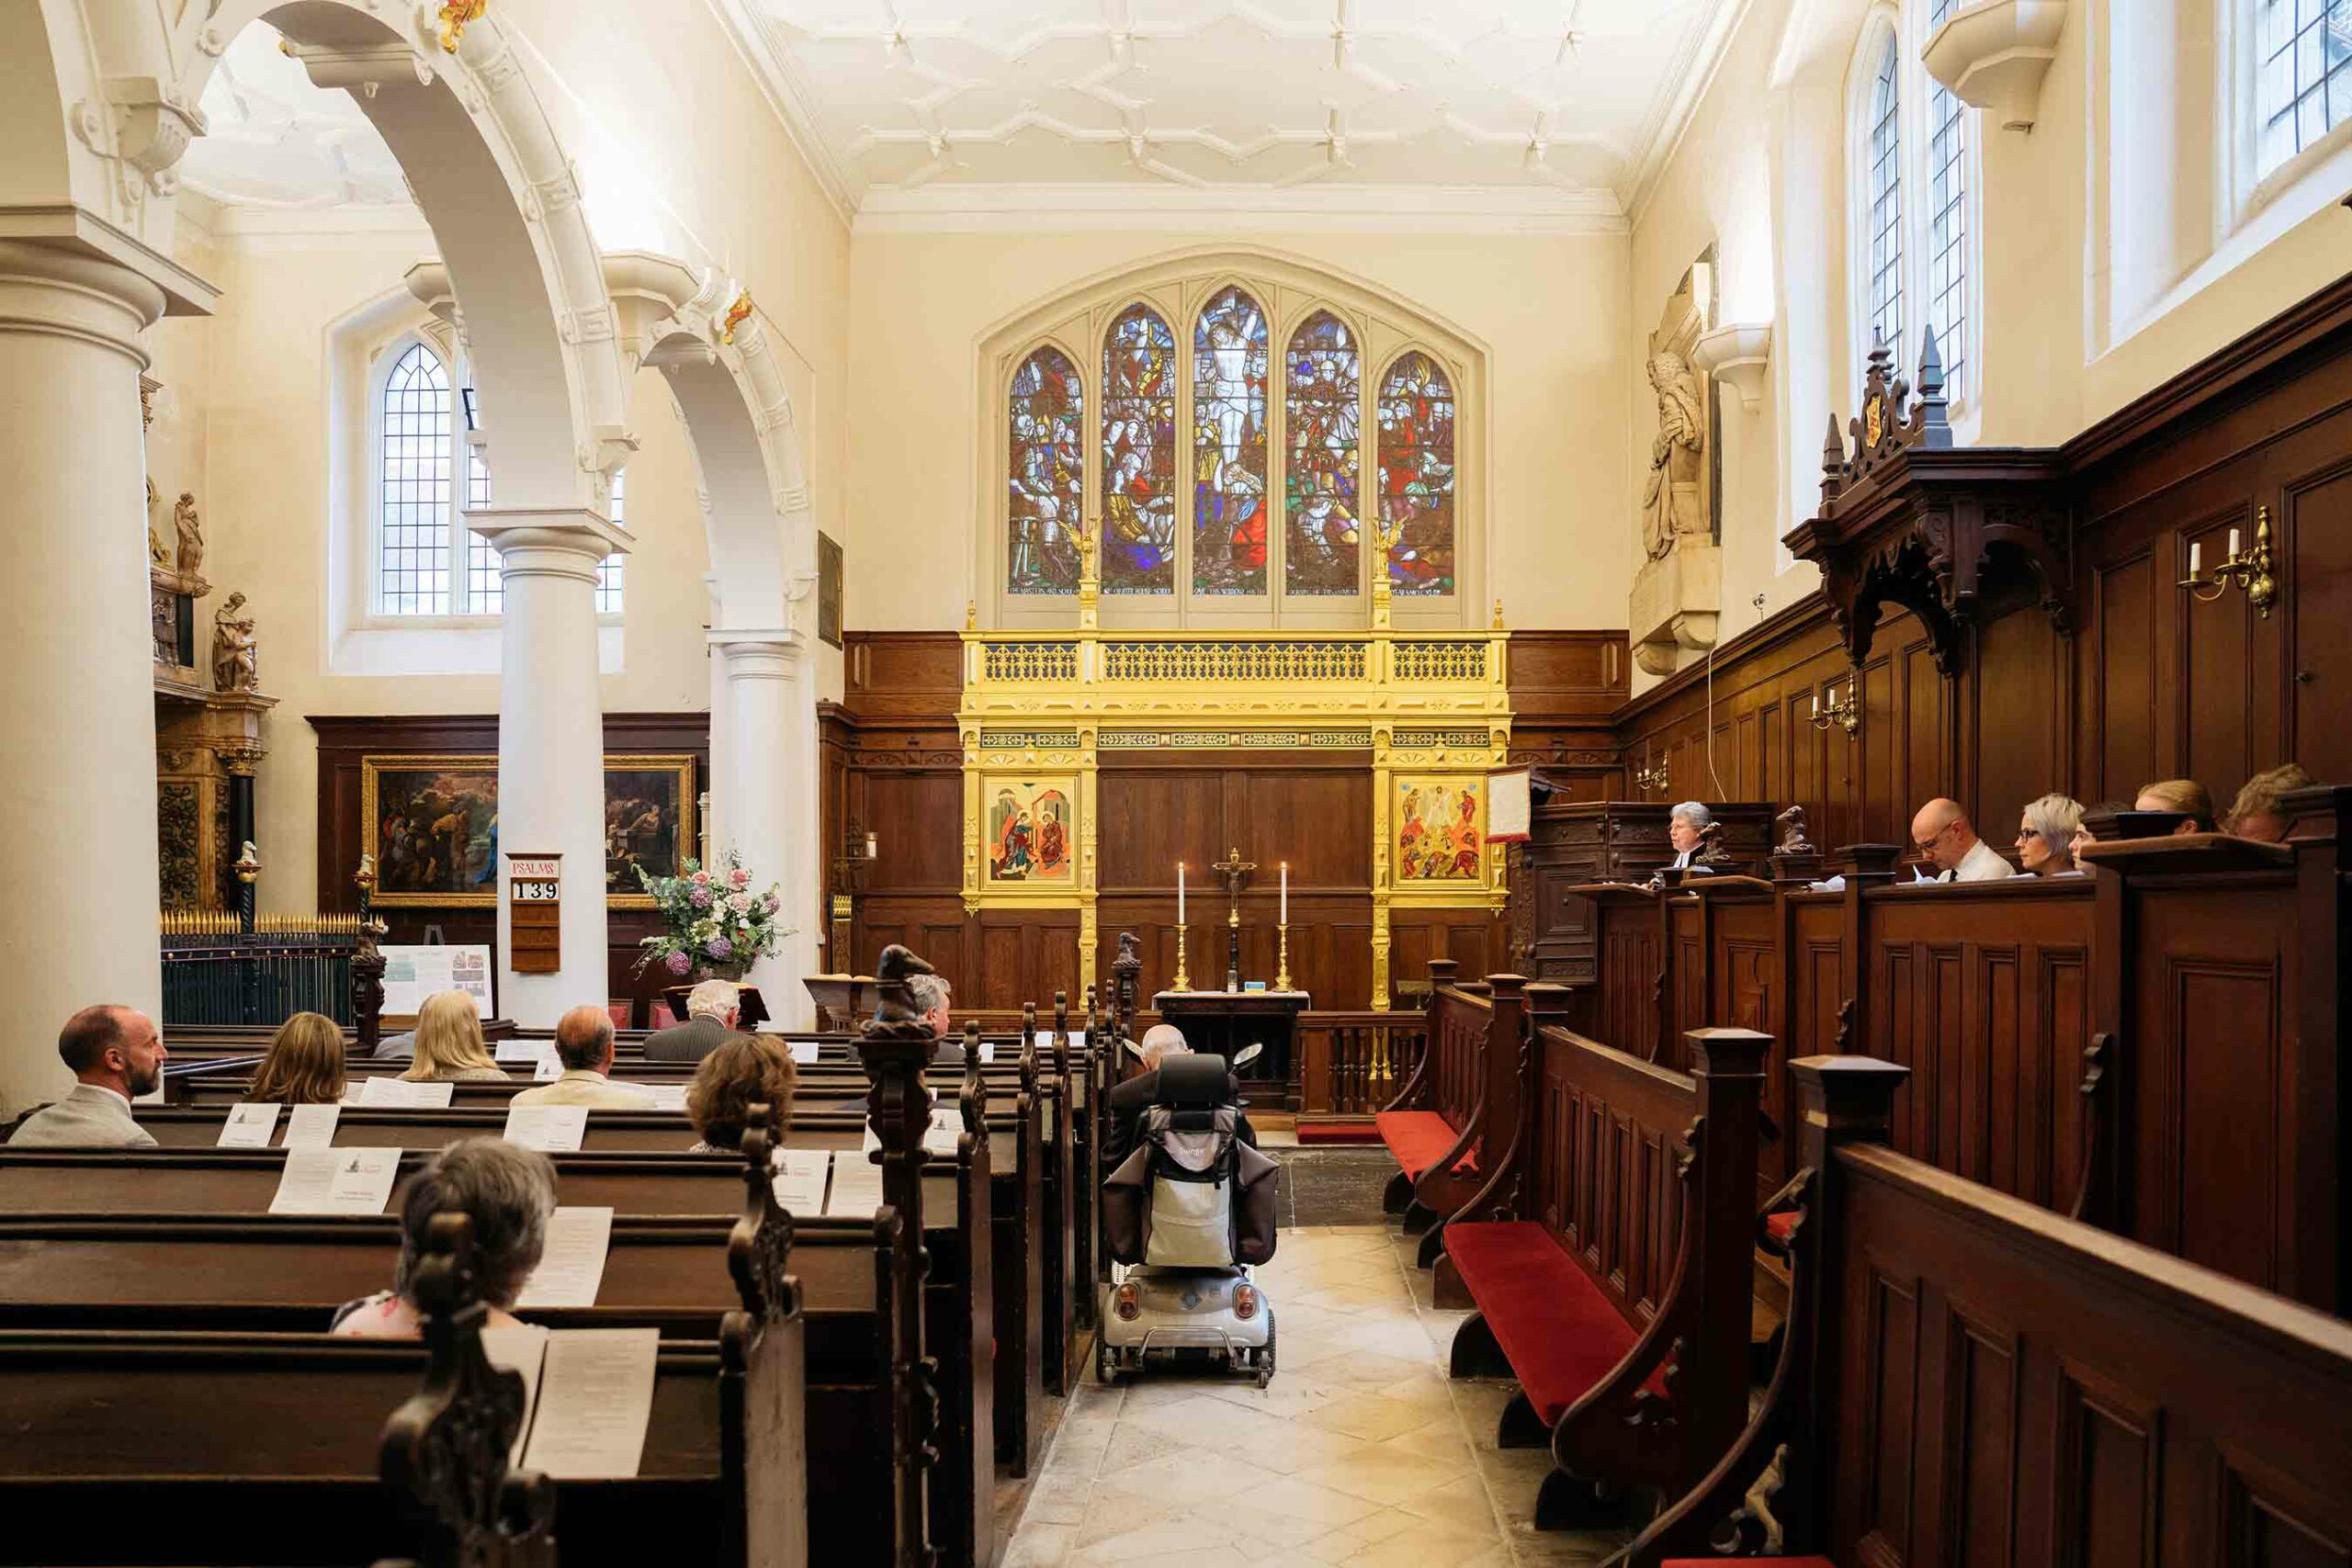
[191, 534]
[234, 649]
[1671, 503]
[1793, 835]
[1713, 851]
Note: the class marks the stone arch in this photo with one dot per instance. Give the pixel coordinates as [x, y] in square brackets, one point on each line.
[488, 171]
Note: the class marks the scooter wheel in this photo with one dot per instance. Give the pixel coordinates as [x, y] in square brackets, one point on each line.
[1107, 1366]
[1266, 1354]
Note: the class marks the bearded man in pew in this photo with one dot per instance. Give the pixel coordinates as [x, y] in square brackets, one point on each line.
[117, 1056]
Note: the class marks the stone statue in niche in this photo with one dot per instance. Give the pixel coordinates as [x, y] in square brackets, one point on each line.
[1673, 502]
[234, 648]
[190, 529]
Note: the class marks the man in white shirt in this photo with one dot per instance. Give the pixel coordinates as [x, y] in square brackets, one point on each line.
[584, 1044]
[1948, 842]
[118, 1055]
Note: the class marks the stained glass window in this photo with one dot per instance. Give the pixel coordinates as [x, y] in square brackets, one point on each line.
[1321, 419]
[413, 476]
[1046, 476]
[1417, 476]
[608, 570]
[1139, 455]
[1883, 202]
[1229, 446]
[1947, 220]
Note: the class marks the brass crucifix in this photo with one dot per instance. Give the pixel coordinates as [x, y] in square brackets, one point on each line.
[1234, 872]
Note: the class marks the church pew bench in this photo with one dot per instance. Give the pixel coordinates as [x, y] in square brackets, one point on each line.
[1431, 1125]
[1968, 1373]
[1622, 1304]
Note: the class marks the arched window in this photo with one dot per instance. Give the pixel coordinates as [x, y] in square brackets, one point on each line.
[485, 574]
[1323, 415]
[1229, 446]
[1265, 442]
[1139, 454]
[1417, 476]
[608, 570]
[413, 469]
[2302, 64]
[1046, 475]
[1881, 194]
[1948, 222]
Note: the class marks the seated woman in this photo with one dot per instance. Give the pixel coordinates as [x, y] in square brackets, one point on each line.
[742, 1071]
[2083, 834]
[2046, 836]
[507, 1192]
[449, 1046]
[304, 1064]
[2185, 795]
[2256, 813]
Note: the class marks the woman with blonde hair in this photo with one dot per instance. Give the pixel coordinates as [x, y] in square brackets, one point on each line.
[742, 1071]
[449, 1046]
[304, 1064]
[2185, 797]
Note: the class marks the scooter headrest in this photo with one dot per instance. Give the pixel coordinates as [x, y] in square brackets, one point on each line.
[1192, 1081]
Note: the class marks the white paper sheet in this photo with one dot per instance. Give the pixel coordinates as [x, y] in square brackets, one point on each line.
[661, 1096]
[548, 1069]
[800, 1179]
[392, 1091]
[249, 1126]
[521, 1053]
[857, 1185]
[311, 1126]
[595, 1402]
[987, 1052]
[804, 1053]
[336, 1181]
[519, 1349]
[572, 1267]
[939, 1138]
[552, 1128]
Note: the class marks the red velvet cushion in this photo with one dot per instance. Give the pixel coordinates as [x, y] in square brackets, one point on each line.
[1419, 1139]
[1779, 1226]
[1552, 1321]
[618, 1013]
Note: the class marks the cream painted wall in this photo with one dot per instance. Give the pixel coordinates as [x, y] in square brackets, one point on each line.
[1550, 310]
[2113, 249]
[261, 433]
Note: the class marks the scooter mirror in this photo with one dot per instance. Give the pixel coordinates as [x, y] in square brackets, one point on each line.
[1247, 1055]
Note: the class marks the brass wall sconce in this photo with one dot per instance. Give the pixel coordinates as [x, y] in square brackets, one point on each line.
[1649, 777]
[1846, 715]
[2249, 572]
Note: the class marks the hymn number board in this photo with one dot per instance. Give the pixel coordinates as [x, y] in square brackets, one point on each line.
[534, 913]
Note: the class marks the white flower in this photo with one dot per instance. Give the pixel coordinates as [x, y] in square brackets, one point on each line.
[739, 902]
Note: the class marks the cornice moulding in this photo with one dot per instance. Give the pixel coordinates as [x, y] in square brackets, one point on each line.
[1994, 55]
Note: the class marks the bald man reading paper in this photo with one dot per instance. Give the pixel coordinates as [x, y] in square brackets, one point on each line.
[1947, 842]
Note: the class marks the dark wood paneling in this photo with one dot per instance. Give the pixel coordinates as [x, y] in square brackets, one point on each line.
[2318, 519]
[344, 739]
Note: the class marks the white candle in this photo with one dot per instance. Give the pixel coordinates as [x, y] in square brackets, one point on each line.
[1286, 891]
[1180, 892]
[2195, 551]
[2233, 544]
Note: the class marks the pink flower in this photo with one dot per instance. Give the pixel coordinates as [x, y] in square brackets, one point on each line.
[702, 878]
[699, 897]
[678, 964]
[740, 877]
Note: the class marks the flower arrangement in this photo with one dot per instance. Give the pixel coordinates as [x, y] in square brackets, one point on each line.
[717, 925]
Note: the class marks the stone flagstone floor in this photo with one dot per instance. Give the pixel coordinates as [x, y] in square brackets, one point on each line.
[1361, 1453]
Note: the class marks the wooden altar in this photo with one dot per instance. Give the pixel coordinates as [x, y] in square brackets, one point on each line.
[1224, 1021]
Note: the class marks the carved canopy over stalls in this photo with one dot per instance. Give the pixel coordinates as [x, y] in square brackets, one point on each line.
[1909, 519]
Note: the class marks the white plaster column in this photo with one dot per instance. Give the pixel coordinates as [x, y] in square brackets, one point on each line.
[551, 742]
[762, 778]
[77, 925]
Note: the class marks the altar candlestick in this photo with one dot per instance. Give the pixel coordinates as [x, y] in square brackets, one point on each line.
[1285, 916]
[1180, 892]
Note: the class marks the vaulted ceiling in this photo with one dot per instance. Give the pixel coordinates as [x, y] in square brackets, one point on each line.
[1525, 96]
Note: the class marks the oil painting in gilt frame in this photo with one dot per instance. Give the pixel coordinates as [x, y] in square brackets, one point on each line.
[1440, 831]
[1031, 831]
[431, 822]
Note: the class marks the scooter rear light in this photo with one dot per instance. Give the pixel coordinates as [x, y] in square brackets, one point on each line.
[1245, 1302]
[1128, 1302]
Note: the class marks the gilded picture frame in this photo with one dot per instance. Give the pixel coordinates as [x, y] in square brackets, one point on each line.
[1437, 836]
[1029, 830]
[431, 822]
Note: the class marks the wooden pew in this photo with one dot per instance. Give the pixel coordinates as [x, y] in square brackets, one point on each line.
[1435, 1126]
[1607, 1258]
[1970, 1377]
[195, 1446]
